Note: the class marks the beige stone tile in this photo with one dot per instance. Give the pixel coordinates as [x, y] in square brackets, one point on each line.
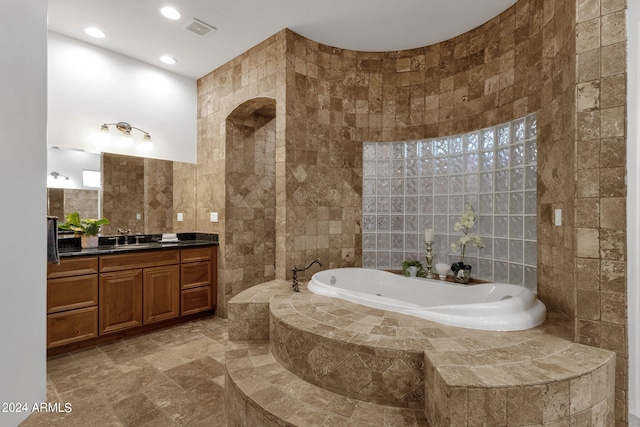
[556, 401]
[613, 337]
[613, 28]
[587, 273]
[580, 394]
[588, 65]
[613, 276]
[613, 59]
[612, 244]
[587, 9]
[588, 95]
[587, 240]
[70, 379]
[613, 213]
[524, 405]
[588, 304]
[587, 35]
[588, 212]
[137, 410]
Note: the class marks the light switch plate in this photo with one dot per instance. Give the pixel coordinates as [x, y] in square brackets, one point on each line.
[138, 216]
[213, 216]
[180, 216]
[557, 220]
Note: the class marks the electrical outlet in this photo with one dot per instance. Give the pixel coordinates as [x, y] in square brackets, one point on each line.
[138, 216]
[180, 216]
[213, 216]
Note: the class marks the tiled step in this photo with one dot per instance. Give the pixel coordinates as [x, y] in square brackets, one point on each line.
[457, 376]
[259, 392]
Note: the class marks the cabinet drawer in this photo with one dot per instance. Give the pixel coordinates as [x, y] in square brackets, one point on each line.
[71, 326]
[196, 254]
[73, 266]
[138, 260]
[67, 293]
[195, 300]
[195, 274]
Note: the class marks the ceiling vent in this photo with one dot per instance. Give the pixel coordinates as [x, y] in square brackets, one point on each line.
[200, 28]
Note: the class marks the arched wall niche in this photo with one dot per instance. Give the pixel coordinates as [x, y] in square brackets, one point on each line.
[250, 197]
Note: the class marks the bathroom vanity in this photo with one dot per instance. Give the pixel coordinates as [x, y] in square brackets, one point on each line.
[102, 294]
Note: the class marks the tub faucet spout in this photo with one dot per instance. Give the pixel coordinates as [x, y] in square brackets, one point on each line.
[295, 273]
[315, 261]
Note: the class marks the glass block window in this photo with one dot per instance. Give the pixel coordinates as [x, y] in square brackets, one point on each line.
[412, 186]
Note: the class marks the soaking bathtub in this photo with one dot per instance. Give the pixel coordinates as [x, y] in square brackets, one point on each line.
[489, 306]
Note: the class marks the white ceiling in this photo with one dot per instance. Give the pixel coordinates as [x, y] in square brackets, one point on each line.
[135, 27]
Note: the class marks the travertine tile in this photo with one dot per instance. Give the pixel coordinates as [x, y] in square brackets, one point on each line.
[534, 57]
[133, 392]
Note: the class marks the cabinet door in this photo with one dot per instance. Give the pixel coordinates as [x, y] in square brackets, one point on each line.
[120, 300]
[161, 293]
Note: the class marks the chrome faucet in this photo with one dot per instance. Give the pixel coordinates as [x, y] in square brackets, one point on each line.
[295, 273]
[124, 232]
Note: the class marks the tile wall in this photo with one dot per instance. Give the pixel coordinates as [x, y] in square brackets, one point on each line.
[562, 59]
[250, 80]
[415, 185]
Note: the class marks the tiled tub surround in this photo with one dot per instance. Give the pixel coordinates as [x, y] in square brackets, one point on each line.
[332, 362]
[415, 185]
[565, 60]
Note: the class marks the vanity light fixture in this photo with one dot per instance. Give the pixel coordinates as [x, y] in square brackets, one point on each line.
[55, 175]
[126, 139]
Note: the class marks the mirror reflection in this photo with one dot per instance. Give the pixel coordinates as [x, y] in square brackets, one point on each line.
[136, 192]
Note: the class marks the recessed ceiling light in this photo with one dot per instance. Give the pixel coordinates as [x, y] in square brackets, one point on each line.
[168, 59]
[94, 32]
[169, 12]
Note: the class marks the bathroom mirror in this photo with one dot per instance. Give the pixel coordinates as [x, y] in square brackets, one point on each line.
[137, 192]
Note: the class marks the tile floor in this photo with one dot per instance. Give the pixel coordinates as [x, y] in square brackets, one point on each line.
[170, 377]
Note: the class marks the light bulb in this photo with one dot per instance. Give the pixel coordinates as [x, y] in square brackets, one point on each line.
[103, 137]
[146, 144]
[126, 140]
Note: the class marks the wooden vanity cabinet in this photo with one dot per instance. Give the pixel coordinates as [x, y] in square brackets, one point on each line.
[72, 301]
[98, 298]
[138, 288]
[198, 282]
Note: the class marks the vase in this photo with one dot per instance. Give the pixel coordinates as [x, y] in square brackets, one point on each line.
[88, 242]
[462, 276]
[413, 271]
[442, 270]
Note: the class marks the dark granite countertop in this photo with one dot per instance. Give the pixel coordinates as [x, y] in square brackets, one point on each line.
[70, 247]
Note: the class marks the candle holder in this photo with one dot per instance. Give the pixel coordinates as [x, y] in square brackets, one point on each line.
[429, 258]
